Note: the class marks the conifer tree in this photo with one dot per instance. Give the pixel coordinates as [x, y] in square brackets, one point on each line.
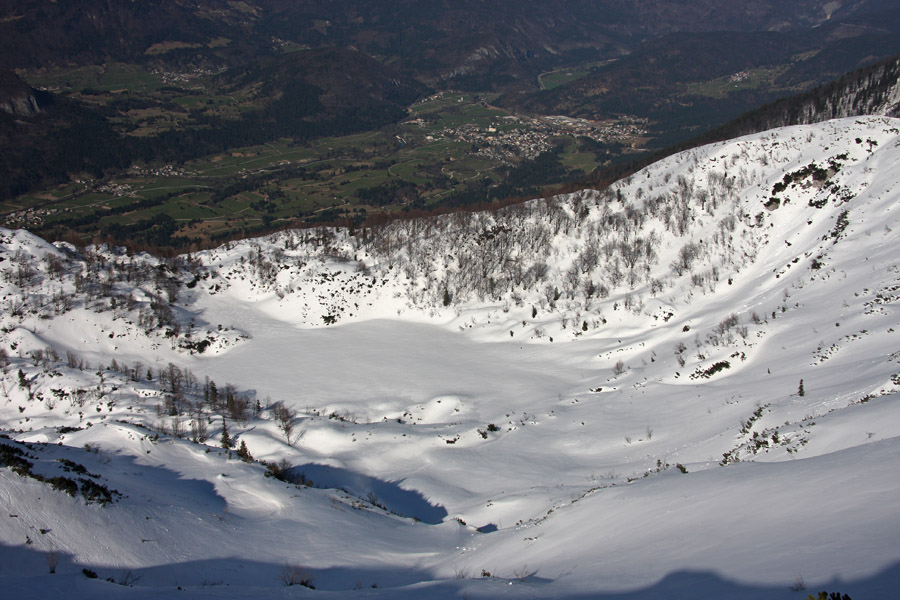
[244, 453]
[227, 442]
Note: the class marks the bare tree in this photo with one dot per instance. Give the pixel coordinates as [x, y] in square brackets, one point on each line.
[199, 430]
[52, 557]
[285, 417]
[686, 257]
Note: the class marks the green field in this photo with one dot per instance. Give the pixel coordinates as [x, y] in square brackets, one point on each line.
[748, 80]
[111, 77]
[554, 79]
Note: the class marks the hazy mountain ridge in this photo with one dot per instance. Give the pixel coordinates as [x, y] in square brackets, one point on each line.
[707, 310]
[39, 34]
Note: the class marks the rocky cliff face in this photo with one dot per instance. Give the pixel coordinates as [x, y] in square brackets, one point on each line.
[19, 99]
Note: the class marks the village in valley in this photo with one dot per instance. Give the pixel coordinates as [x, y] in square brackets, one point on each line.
[512, 137]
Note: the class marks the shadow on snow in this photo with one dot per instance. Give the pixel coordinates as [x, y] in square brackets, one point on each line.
[387, 494]
[26, 576]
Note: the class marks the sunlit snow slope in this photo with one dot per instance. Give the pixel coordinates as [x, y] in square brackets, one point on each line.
[685, 386]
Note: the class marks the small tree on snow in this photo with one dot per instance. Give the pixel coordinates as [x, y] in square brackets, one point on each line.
[800, 390]
[244, 453]
[227, 442]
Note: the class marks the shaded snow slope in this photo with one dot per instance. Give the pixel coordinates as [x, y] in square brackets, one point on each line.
[684, 385]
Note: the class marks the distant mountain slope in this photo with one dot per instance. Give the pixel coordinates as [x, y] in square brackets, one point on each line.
[686, 83]
[68, 32]
[651, 81]
[339, 80]
[874, 90]
[304, 95]
[849, 44]
[301, 95]
[460, 42]
[46, 139]
[18, 99]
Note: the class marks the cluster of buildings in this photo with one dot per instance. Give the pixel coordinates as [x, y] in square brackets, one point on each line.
[118, 190]
[172, 77]
[527, 137]
[163, 171]
[30, 217]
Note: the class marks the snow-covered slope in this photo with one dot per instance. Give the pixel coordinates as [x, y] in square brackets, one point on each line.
[684, 386]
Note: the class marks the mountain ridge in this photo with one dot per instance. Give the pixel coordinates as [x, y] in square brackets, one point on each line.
[220, 32]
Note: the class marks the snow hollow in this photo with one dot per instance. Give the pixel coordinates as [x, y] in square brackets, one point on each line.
[683, 386]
